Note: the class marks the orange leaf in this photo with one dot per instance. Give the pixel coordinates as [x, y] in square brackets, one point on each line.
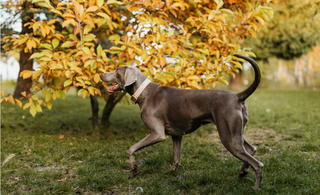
[61, 136]
[26, 74]
[63, 179]
[19, 102]
[10, 99]
[28, 153]
[71, 144]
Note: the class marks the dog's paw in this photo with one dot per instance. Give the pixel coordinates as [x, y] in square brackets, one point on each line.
[243, 173]
[175, 166]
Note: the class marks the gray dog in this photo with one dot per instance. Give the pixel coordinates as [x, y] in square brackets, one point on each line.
[164, 111]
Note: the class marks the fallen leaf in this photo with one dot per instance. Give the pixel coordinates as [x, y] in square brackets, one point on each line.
[7, 159]
[139, 188]
[71, 144]
[28, 153]
[75, 129]
[63, 179]
[61, 136]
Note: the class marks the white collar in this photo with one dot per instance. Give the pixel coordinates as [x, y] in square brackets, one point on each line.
[136, 94]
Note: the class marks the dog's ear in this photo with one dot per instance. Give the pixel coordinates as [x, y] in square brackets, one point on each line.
[130, 76]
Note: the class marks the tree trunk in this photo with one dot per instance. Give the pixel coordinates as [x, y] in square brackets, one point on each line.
[297, 71]
[236, 82]
[111, 103]
[25, 62]
[95, 111]
[23, 84]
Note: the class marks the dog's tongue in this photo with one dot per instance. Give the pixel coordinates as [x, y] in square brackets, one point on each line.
[113, 88]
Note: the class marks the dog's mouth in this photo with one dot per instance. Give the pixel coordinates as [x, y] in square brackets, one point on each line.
[113, 88]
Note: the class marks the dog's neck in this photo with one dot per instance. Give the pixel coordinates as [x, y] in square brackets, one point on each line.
[134, 87]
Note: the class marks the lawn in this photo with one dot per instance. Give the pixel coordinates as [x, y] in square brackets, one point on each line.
[57, 152]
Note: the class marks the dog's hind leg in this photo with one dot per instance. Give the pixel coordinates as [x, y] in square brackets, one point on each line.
[177, 142]
[250, 148]
[245, 167]
[230, 131]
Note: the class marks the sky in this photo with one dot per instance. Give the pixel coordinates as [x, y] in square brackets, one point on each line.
[9, 69]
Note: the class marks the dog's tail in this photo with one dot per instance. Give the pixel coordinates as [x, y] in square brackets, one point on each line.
[246, 93]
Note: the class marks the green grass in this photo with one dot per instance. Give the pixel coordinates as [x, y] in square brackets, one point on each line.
[284, 125]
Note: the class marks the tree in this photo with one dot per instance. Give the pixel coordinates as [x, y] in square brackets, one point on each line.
[292, 33]
[201, 36]
[24, 11]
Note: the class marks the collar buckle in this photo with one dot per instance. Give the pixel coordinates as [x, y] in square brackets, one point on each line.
[134, 99]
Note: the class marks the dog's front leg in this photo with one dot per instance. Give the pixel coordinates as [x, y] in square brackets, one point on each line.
[177, 142]
[151, 139]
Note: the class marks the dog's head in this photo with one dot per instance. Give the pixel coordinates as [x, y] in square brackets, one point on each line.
[121, 78]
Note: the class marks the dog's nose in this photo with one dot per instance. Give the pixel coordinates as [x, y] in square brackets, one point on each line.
[101, 75]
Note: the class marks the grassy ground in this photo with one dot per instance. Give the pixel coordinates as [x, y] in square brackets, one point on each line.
[58, 152]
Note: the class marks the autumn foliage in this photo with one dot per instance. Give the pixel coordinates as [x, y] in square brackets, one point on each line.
[201, 36]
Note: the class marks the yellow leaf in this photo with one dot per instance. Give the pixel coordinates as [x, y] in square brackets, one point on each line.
[196, 85]
[27, 105]
[55, 43]
[86, 50]
[33, 110]
[10, 99]
[177, 68]
[49, 105]
[99, 50]
[84, 94]
[61, 136]
[34, 97]
[96, 78]
[251, 54]
[71, 144]
[67, 83]
[24, 93]
[104, 15]
[26, 74]
[54, 95]
[43, 31]
[100, 3]
[19, 102]
[92, 8]
[91, 90]
[39, 109]
[36, 74]
[114, 2]
[193, 77]
[61, 93]
[68, 73]
[87, 29]
[29, 44]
